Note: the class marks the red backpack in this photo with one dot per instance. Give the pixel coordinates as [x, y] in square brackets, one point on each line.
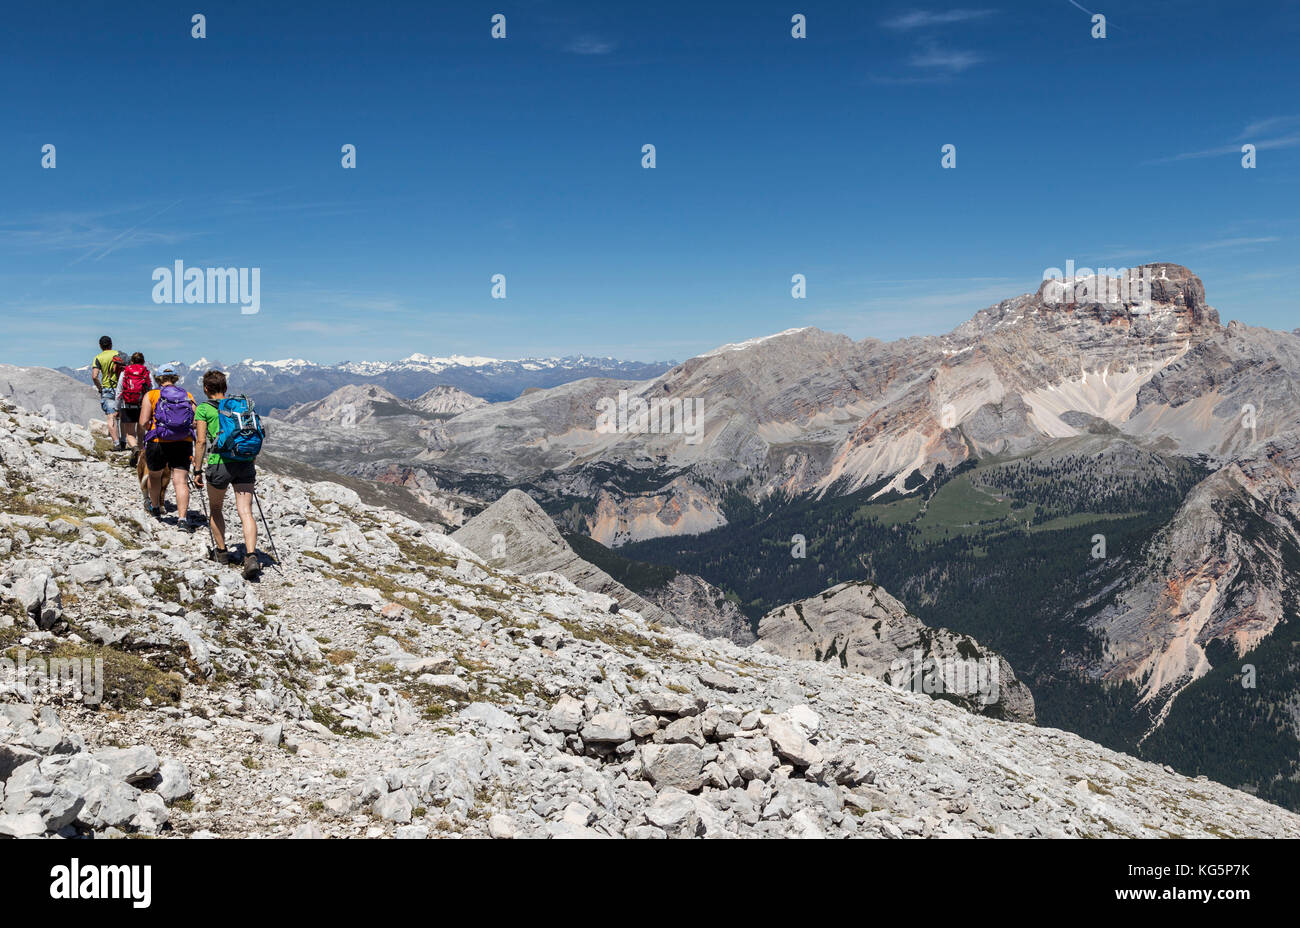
[135, 383]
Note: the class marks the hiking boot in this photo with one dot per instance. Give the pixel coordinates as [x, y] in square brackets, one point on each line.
[155, 511]
[252, 567]
[185, 525]
[220, 555]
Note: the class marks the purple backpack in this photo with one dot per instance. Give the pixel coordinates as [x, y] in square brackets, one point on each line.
[173, 416]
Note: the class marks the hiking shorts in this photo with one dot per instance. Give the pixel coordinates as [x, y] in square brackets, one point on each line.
[108, 400]
[159, 455]
[129, 414]
[242, 474]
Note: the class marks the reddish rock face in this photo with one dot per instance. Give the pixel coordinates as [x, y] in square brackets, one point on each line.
[400, 476]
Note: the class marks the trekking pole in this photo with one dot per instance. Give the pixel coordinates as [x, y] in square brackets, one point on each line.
[269, 536]
[203, 503]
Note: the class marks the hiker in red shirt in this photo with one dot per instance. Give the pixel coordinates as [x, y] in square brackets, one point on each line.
[132, 386]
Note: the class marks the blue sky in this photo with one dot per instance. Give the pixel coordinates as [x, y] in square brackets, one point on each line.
[522, 157]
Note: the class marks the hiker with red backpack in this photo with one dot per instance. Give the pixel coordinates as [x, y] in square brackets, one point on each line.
[168, 414]
[132, 386]
[230, 433]
[105, 370]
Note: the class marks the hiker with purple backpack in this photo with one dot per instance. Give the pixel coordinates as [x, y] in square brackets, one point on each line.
[169, 414]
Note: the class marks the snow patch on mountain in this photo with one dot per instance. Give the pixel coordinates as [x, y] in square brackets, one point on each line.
[750, 343]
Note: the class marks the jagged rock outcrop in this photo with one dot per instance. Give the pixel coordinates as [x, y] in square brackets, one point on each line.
[1233, 389]
[865, 630]
[515, 533]
[698, 606]
[1222, 570]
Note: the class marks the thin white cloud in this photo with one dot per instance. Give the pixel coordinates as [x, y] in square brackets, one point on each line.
[926, 19]
[1285, 141]
[1272, 124]
[330, 329]
[940, 64]
[590, 45]
[129, 235]
[1272, 274]
[1109, 22]
[909, 79]
[949, 61]
[96, 309]
[94, 233]
[1234, 243]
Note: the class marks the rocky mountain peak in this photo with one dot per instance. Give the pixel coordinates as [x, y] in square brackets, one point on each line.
[1156, 300]
[446, 400]
[348, 405]
[524, 527]
[1174, 285]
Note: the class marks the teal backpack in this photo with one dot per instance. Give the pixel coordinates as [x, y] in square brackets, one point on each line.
[241, 431]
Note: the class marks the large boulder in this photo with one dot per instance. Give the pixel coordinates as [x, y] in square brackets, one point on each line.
[673, 765]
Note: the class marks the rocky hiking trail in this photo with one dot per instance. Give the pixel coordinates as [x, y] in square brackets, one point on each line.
[386, 681]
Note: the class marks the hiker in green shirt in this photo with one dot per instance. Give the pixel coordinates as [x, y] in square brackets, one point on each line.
[104, 372]
[220, 475]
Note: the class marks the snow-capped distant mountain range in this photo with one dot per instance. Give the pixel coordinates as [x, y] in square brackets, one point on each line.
[281, 384]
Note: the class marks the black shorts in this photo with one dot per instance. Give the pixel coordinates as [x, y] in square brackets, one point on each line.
[162, 454]
[129, 414]
[243, 474]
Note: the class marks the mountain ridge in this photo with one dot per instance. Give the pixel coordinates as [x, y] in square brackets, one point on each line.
[806, 411]
[281, 384]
